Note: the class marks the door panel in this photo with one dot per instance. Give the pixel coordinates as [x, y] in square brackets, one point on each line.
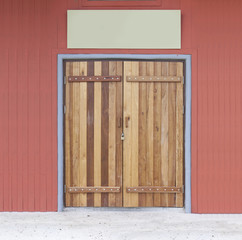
[93, 148]
[153, 129]
[147, 171]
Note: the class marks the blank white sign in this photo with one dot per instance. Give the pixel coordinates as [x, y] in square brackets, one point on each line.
[132, 29]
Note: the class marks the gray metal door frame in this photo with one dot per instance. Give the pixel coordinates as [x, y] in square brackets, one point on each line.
[60, 119]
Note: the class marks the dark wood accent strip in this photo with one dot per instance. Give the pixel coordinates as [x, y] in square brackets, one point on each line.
[154, 189]
[93, 189]
[153, 79]
[94, 78]
[104, 133]
[90, 133]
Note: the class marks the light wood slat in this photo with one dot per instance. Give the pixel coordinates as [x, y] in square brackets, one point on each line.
[179, 136]
[119, 130]
[127, 161]
[75, 134]
[152, 78]
[172, 69]
[83, 135]
[94, 189]
[164, 134]
[172, 133]
[112, 135]
[142, 133]
[134, 125]
[150, 133]
[157, 134]
[97, 133]
[67, 138]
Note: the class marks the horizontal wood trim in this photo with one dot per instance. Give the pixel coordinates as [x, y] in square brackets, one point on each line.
[154, 189]
[93, 189]
[153, 79]
[94, 78]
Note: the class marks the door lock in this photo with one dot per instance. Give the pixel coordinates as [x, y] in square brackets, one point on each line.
[122, 136]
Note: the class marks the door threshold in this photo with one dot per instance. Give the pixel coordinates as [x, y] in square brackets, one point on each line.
[123, 209]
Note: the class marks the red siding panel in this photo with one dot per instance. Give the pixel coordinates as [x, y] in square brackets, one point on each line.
[4, 136]
[34, 32]
[33, 184]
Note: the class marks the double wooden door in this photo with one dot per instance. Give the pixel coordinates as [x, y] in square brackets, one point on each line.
[124, 134]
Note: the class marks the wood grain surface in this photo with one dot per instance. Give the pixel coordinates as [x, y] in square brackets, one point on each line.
[151, 117]
[153, 146]
[94, 110]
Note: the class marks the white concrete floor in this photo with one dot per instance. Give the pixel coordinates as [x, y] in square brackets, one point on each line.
[120, 224]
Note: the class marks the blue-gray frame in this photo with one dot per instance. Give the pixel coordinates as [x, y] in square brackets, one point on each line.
[60, 120]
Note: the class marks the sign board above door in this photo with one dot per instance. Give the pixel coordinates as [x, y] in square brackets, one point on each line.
[127, 29]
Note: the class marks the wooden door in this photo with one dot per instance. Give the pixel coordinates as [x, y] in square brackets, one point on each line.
[148, 170]
[93, 126]
[153, 130]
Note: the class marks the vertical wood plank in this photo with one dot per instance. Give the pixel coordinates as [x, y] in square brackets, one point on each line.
[75, 143]
[157, 134]
[150, 136]
[134, 125]
[97, 133]
[83, 134]
[127, 132]
[112, 135]
[104, 132]
[164, 134]
[119, 130]
[67, 137]
[69, 118]
[179, 136]
[142, 132]
[90, 133]
[71, 110]
[172, 133]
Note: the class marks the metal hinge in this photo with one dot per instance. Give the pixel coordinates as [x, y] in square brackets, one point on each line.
[183, 80]
[64, 188]
[183, 189]
[64, 79]
[64, 109]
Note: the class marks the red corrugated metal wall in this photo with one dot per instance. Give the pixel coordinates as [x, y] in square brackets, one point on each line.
[34, 31]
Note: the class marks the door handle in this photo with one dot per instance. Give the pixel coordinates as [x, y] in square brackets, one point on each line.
[120, 122]
[127, 122]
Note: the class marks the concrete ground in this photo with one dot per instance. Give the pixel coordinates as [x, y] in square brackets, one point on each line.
[123, 224]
